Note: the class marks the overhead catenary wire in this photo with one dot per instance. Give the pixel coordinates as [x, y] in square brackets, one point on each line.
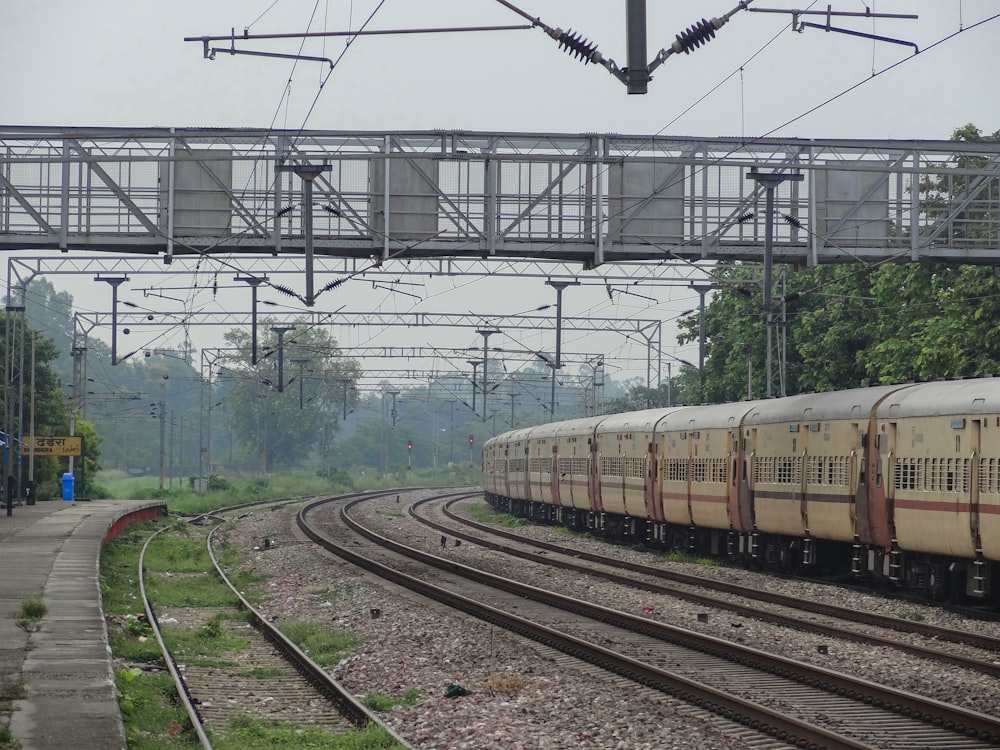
[341, 282]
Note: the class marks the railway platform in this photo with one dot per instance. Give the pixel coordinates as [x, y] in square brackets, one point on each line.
[58, 680]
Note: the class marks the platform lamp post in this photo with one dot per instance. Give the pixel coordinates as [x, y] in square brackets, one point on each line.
[485, 333]
[307, 173]
[115, 282]
[770, 180]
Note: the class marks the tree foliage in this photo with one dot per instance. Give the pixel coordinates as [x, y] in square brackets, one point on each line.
[285, 417]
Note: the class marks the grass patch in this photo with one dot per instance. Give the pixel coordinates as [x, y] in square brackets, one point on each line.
[280, 485]
[129, 648]
[170, 553]
[199, 645]
[324, 645]
[485, 514]
[677, 556]
[154, 718]
[189, 591]
[33, 609]
[254, 734]
[120, 568]
[10, 692]
[905, 613]
[384, 702]
[7, 739]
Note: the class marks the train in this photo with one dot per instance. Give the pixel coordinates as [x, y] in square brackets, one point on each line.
[893, 485]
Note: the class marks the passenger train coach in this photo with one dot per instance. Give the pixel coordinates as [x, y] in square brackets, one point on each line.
[895, 483]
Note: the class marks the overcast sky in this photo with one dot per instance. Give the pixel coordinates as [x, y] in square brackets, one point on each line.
[125, 63]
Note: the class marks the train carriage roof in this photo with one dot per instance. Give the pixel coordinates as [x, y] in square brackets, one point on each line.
[635, 421]
[944, 398]
[707, 417]
[830, 405]
[584, 425]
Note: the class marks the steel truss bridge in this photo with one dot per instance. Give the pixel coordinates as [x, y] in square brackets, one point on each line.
[588, 199]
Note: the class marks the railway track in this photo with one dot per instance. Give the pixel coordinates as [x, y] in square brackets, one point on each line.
[268, 677]
[836, 622]
[815, 707]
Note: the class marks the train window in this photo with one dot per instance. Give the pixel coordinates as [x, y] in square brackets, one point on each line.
[793, 428]
[814, 427]
[958, 423]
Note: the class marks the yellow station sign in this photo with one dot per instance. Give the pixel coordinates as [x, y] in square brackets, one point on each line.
[54, 445]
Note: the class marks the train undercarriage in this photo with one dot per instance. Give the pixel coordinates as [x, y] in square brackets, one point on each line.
[931, 576]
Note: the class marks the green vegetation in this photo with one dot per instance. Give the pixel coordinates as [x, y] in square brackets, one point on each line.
[253, 734]
[323, 645]
[201, 646]
[906, 613]
[7, 739]
[678, 556]
[383, 702]
[10, 692]
[485, 514]
[154, 718]
[33, 609]
[278, 486]
[177, 569]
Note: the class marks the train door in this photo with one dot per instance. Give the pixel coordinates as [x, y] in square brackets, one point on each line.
[800, 452]
[654, 500]
[594, 488]
[974, 448]
[735, 480]
[554, 473]
[745, 514]
[874, 510]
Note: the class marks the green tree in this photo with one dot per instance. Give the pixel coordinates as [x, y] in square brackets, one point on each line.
[286, 423]
[37, 390]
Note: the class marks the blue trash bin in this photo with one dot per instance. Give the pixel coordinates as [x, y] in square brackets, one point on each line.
[68, 480]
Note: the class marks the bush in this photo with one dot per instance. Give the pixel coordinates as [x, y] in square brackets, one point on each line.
[218, 484]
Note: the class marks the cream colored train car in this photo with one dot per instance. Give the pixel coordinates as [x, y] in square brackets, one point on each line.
[700, 469]
[573, 449]
[808, 458]
[624, 465]
[941, 446]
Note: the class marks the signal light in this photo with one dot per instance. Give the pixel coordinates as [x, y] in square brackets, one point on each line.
[409, 445]
[471, 439]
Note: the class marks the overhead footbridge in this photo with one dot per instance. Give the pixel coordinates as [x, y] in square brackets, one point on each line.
[592, 199]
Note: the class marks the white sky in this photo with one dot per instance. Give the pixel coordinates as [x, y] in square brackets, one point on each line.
[124, 63]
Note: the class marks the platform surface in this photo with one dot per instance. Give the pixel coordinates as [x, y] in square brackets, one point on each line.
[61, 676]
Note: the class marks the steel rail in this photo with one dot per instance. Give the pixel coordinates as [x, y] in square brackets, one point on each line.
[952, 718]
[977, 640]
[738, 710]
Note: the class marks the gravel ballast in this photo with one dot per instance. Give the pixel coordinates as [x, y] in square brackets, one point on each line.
[522, 695]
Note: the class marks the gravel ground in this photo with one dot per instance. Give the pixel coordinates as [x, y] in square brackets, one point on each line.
[522, 696]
